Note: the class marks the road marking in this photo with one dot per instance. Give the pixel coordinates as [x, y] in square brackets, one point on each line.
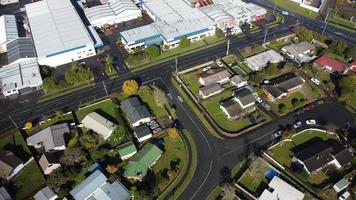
[201, 185]
[252, 141]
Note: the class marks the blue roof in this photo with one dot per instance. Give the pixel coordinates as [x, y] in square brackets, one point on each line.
[271, 173]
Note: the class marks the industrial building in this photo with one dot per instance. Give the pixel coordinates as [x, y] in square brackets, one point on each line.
[113, 12]
[58, 33]
[20, 78]
[8, 30]
[20, 49]
[7, 2]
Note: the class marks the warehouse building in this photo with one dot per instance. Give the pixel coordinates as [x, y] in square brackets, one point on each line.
[114, 12]
[20, 49]
[58, 33]
[8, 30]
[20, 78]
[7, 2]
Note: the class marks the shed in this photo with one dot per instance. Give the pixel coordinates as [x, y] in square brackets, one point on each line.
[99, 124]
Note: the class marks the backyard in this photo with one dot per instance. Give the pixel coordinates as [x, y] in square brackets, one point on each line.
[191, 80]
[287, 102]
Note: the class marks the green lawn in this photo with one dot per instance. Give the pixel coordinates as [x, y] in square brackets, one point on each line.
[28, 180]
[277, 45]
[191, 80]
[294, 7]
[254, 175]
[238, 70]
[287, 102]
[254, 51]
[317, 178]
[345, 23]
[215, 194]
[236, 169]
[14, 142]
[54, 120]
[106, 106]
[312, 90]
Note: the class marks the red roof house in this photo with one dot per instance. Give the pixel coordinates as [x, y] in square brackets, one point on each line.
[331, 64]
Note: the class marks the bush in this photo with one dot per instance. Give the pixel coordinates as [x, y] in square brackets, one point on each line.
[184, 42]
[152, 52]
[130, 87]
[219, 33]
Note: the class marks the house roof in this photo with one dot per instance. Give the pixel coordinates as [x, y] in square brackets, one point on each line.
[96, 186]
[214, 74]
[244, 95]
[282, 84]
[207, 90]
[281, 190]
[300, 48]
[135, 169]
[237, 79]
[341, 184]
[260, 60]
[274, 91]
[336, 65]
[8, 162]
[142, 131]
[98, 124]
[127, 148]
[51, 137]
[21, 47]
[134, 109]
[4, 195]
[45, 193]
[8, 28]
[343, 156]
[232, 107]
[46, 159]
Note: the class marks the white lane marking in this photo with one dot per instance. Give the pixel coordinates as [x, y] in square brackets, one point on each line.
[201, 185]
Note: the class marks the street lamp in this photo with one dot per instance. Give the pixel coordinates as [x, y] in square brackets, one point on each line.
[266, 31]
[228, 46]
[176, 64]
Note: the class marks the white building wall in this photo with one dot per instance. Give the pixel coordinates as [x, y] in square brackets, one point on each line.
[141, 121]
[128, 155]
[16, 170]
[144, 138]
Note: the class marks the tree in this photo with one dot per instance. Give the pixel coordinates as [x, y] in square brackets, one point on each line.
[184, 42]
[173, 133]
[111, 169]
[130, 87]
[45, 71]
[71, 77]
[306, 35]
[28, 125]
[160, 97]
[255, 77]
[282, 107]
[88, 141]
[219, 33]
[338, 47]
[351, 52]
[152, 52]
[50, 84]
[75, 65]
[295, 102]
[271, 69]
[347, 85]
[73, 156]
[84, 74]
[56, 179]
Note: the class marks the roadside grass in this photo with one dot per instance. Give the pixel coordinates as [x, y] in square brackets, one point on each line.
[317, 178]
[312, 90]
[294, 7]
[287, 102]
[254, 50]
[191, 80]
[342, 22]
[254, 176]
[237, 168]
[215, 194]
[28, 180]
[277, 45]
[56, 119]
[106, 106]
[14, 142]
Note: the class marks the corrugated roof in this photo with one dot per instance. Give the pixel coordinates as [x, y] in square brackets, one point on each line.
[45, 194]
[8, 162]
[260, 60]
[56, 27]
[134, 110]
[8, 28]
[99, 124]
[21, 47]
[126, 149]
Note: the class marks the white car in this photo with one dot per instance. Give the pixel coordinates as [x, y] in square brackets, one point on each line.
[285, 13]
[316, 81]
[206, 68]
[344, 196]
[219, 63]
[180, 99]
[310, 122]
[258, 99]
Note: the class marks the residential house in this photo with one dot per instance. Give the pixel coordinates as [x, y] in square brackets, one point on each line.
[49, 139]
[214, 75]
[242, 104]
[331, 65]
[4, 195]
[238, 81]
[139, 164]
[210, 90]
[99, 124]
[127, 150]
[45, 193]
[142, 133]
[261, 60]
[48, 163]
[300, 52]
[278, 189]
[10, 165]
[341, 185]
[282, 86]
[136, 113]
[97, 186]
[320, 154]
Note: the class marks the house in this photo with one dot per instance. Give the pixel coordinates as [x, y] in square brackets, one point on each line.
[282, 86]
[261, 60]
[214, 75]
[278, 189]
[238, 81]
[4, 195]
[299, 52]
[10, 165]
[244, 96]
[231, 109]
[20, 49]
[45, 193]
[99, 124]
[96, 186]
[49, 139]
[320, 154]
[136, 113]
[331, 65]
[341, 185]
[127, 150]
[210, 90]
[138, 165]
[6, 2]
[353, 66]
[8, 30]
[48, 163]
[142, 133]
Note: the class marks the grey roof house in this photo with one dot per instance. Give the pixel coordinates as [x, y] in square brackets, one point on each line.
[244, 96]
[142, 132]
[238, 81]
[48, 163]
[4, 195]
[299, 52]
[45, 193]
[10, 165]
[210, 90]
[214, 75]
[259, 61]
[49, 139]
[96, 186]
[99, 124]
[136, 113]
[20, 48]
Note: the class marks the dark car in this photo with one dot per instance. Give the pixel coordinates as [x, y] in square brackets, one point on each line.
[277, 134]
[300, 111]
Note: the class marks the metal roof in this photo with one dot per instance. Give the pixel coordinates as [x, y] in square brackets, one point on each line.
[260, 60]
[56, 27]
[8, 28]
[45, 194]
[281, 191]
[21, 47]
[20, 75]
[99, 124]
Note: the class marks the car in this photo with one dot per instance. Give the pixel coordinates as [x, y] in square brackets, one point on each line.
[300, 111]
[297, 124]
[309, 107]
[169, 95]
[285, 13]
[277, 134]
[265, 81]
[344, 196]
[316, 81]
[219, 63]
[180, 99]
[258, 99]
[206, 68]
[310, 122]
[265, 105]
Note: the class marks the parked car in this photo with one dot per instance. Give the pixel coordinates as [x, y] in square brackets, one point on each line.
[299, 111]
[180, 99]
[219, 63]
[206, 68]
[316, 81]
[309, 107]
[277, 134]
[265, 81]
[258, 99]
[169, 95]
[285, 13]
[297, 124]
[344, 196]
[265, 105]
[310, 122]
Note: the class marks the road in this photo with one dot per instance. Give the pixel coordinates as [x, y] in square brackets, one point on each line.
[213, 153]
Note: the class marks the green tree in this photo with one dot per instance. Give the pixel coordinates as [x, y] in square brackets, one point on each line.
[219, 33]
[351, 52]
[347, 85]
[184, 42]
[71, 77]
[295, 102]
[255, 77]
[50, 84]
[152, 52]
[306, 35]
[88, 141]
[45, 71]
[75, 65]
[338, 47]
[85, 74]
[282, 107]
[56, 179]
[271, 69]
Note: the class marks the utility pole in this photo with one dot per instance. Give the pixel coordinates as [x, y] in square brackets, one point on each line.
[275, 5]
[326, 22]
[12, 120]
[266, 31]
[106, 90]
[176, 64]
[228, 46]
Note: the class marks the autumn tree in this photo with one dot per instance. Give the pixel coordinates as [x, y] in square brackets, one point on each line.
[173, 133]
[111, 169]
[73, 156]
[88, 141]
[28, 125]
[130, 87]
